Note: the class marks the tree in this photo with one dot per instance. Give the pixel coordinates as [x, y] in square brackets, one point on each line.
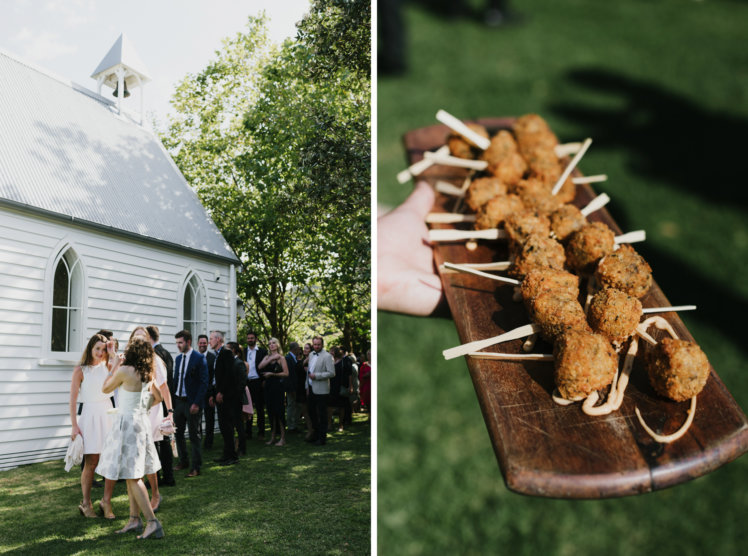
[275, 157]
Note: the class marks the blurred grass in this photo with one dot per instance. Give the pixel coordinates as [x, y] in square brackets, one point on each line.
[662, 88]
[299, 499]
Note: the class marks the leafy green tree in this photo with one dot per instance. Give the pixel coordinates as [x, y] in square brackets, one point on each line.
[281, 159]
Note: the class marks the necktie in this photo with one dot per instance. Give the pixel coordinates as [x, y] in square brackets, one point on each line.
[180, 390]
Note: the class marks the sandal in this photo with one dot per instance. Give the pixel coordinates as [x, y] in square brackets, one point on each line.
[135, 524]
[86, 510]
[157, 533]
[106, 510]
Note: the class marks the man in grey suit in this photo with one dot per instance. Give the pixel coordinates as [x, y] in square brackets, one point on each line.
[321, 369]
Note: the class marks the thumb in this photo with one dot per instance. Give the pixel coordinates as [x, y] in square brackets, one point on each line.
[420, 201]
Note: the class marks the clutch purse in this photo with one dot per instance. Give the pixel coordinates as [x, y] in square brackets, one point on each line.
[167, 427]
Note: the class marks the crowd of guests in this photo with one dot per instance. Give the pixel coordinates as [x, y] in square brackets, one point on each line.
[302, 390]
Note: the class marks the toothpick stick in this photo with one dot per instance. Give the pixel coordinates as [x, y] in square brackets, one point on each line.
[448, 218]
[500, 265]
[648, 310]
[631, 237]
[457, 125]
[512, 356]
[574, 161]
[596, 204]
[460, 235]
[467, 269]
[447, 160]
[419, 167]
[448, 189]
[567, 148]
[515, 334]
[590, 179]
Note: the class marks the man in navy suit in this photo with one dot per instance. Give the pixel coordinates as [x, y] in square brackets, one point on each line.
[188, 395]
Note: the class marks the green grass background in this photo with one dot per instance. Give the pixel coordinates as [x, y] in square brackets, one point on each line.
[298, 499]
[662, 88]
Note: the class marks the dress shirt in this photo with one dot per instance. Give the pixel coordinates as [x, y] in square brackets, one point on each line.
[251, 355]
[181, 391]
[312, 361]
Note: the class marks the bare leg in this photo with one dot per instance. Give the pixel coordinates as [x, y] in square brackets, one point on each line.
[134, 521]
[155, 494]
[139, 493]
[87, 475]
[106, 500]
[282, 441]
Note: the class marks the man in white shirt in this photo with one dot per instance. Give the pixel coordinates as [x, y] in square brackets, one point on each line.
[253, 355]
[321, 369]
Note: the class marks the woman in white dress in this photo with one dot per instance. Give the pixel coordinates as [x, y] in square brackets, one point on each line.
[156, 413]
[129, 452]
[94, 421]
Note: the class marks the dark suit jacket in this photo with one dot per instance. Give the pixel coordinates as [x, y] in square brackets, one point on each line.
[261, 353]
[289, 382]
[211, 359]
[227, 382]
[196, 378]
[165, 356]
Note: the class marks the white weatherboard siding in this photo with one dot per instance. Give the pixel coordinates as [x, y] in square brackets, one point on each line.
[126, 282]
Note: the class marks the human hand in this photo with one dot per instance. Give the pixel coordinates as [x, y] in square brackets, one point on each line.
[211, 403]
[194, 409]
[75, 432]
[219, 398]
[407, 281]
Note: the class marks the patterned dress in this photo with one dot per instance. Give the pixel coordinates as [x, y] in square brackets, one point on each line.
[129, 452]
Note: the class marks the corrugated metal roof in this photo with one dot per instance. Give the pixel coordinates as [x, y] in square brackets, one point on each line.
[65, 150]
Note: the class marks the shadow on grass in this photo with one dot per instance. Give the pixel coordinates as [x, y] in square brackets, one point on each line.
[671, 139]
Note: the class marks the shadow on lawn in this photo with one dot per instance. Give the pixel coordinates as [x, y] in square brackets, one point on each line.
[669, 137]
[677, 142]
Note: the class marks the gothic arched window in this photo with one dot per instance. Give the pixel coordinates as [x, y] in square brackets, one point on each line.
[194, 308]
[67, 303]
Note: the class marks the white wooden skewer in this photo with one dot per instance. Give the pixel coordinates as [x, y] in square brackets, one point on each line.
[448, 189]
[567, 148]
[448, 218]
[515, 334]
[597, 178]
[648, 310]
[417, 168]
[500, 265]
[596, 204]
[448, 160]
[631, 237]
[457, 125]
[511, 356]
[574, 161]
[470, 270]
[460, 235]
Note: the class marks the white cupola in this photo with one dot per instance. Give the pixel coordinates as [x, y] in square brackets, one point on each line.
[122, 70]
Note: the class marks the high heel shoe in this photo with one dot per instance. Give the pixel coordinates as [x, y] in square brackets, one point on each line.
[106, 510]
[157, 533]
[135, 524]
[86, 510]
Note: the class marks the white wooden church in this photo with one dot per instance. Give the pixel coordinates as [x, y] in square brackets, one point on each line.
[98, 229]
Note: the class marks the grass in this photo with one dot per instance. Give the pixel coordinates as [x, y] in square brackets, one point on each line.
[662, 89]
[299, 499]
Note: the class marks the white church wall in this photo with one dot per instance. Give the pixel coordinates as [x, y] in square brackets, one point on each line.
[126, 283]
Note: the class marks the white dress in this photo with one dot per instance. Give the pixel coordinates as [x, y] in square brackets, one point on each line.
[94, 421]
[156, 414]
[129, 452]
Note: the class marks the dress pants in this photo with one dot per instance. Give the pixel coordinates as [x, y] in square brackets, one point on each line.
[256, 391]
[318, 413]
[291, 413]
[166, 456]
[230, 418]
[210, 424]
[182, 417]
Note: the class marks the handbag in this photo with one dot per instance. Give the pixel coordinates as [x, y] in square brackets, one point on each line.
[167, 427]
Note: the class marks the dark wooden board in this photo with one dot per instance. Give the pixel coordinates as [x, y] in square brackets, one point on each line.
[544, 449]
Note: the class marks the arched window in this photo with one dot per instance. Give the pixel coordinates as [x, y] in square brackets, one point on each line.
[67, 303]
[194, 309]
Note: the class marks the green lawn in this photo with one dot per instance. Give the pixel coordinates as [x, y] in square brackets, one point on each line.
[662, 88]
[298, 499]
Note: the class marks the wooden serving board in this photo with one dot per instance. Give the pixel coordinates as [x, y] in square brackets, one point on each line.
[548, 450]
